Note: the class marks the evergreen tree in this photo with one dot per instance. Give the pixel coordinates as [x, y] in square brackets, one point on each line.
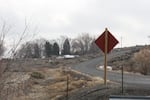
[48, 49]
[66, 47]
[55, 49]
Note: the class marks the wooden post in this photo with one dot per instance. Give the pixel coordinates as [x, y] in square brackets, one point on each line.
[67, 90]
[105, 59]
[122, 81]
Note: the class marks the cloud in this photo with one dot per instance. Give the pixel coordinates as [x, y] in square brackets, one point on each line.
[125, 18]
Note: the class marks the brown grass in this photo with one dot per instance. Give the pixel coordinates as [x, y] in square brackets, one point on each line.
[54, 83]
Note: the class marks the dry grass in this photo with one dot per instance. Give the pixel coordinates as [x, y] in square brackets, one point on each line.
[51, 87]
[57, 84]
[41, 80]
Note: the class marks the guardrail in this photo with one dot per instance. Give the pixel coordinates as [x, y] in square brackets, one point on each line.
[117, 97]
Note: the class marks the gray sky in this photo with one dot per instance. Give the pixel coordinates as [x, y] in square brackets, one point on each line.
[124, 18]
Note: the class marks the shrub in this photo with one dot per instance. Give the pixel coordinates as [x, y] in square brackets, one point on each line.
[37, 75]
[142, 61]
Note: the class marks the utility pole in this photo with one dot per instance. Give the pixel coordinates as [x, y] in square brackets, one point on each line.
[122, 71]
[149, 36]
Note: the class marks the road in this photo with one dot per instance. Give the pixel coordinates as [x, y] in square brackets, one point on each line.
[89, 67]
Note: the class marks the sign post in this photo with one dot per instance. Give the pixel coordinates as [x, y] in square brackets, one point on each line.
[106, 43]
[105, 61]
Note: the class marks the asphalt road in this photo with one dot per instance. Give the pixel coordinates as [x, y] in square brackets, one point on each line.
[89, 67]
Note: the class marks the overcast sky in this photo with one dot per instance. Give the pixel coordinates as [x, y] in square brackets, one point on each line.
[129, 19]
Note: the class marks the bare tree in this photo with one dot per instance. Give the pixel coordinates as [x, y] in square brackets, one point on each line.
[29, 50]
[93, 48]
[77, 46]
[37, 51]
[13, 50]
[82, 43]
[8, 63]
[4, 30]
[41, 45]
[60, 42]
[86, 39]
[17, 44]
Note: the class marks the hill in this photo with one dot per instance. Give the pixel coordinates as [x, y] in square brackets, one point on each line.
[126, 60]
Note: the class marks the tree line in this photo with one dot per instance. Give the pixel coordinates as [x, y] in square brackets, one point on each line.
[81, 45]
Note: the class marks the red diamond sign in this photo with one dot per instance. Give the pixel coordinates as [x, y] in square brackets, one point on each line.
[111, 41]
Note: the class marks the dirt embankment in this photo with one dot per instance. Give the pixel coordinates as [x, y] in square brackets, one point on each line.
[43, 83]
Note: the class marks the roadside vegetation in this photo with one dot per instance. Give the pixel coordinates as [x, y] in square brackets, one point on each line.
[37, 75]
[44, 83]
[141, 60]
[137, 60]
